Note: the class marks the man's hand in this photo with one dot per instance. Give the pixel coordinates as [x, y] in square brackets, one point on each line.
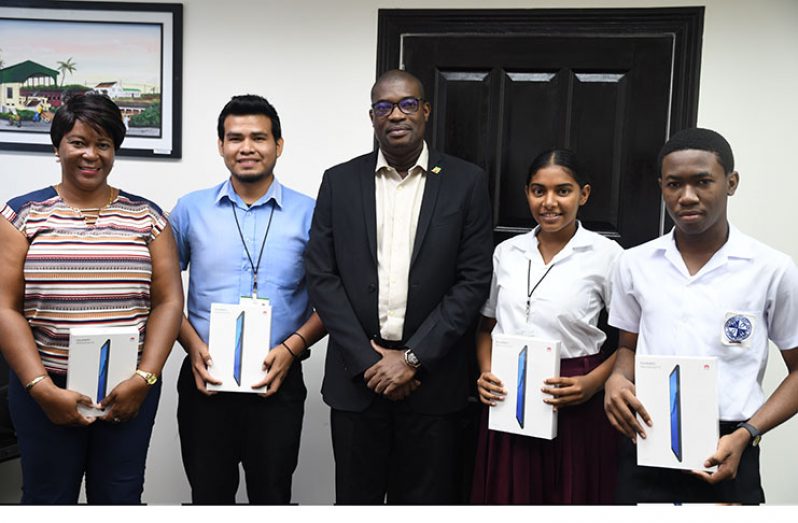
[726, 457]
[125, 400]
[567, 391]
[620, 404]
[200, 361]
[276, 365]
[390, 373]
[403, 391]
[61, 405]
[490, 389]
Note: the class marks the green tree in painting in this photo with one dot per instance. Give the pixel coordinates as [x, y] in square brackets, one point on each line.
[151, 117]
[66, 67]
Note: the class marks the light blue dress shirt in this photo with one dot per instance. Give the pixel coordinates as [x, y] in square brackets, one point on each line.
[210, 248]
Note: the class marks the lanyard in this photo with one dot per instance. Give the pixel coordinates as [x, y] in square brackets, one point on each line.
[255, 267]
[528, 281]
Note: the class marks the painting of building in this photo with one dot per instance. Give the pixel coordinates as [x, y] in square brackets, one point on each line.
[23, 77]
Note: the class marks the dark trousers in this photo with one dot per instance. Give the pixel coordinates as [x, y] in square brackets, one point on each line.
[221, 431]
[55, 458]
[658, 485]
[387, 450]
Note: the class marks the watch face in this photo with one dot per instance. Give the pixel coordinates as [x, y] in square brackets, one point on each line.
[411, 359]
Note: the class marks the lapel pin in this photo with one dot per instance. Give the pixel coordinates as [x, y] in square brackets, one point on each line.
[436, 169]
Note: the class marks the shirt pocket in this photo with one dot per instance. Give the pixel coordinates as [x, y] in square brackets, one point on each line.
[285, 267]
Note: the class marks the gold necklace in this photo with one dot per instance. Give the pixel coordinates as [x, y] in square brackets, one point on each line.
[90, 215]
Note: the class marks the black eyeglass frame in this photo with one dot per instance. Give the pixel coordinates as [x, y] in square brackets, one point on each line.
[381, 114]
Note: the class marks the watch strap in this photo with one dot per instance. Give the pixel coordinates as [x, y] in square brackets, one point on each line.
[756, 436]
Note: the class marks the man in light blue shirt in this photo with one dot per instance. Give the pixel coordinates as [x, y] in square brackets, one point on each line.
[244, 237]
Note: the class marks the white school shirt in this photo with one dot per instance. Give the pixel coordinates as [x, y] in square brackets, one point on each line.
[746, 293]
[398, 204]
[566, 304]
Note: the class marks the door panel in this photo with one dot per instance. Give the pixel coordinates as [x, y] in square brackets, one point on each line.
[498, 101]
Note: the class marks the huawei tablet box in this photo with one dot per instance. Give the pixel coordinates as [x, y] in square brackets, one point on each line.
[238, 343]
[522, 363]
[100, 358]
[681, 395]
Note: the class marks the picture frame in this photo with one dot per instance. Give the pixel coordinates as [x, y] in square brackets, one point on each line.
[131, 52]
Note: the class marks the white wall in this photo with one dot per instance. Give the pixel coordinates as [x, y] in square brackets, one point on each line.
[315, 60]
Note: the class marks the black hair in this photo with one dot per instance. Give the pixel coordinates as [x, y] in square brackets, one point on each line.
[564, 158]
[702, 140]
[247, 104]
[93, 109]
[398, 74]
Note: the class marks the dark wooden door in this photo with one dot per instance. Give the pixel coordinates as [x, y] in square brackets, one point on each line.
[611, 84]
[498, 101]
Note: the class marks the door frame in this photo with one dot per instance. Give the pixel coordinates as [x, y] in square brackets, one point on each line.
[685, 24]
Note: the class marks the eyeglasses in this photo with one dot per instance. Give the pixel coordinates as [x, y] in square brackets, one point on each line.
[407, 105]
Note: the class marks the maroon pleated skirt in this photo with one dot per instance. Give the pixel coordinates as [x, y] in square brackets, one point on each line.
[578, 467]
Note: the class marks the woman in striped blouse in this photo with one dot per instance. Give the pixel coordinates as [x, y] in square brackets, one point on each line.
[83, 253]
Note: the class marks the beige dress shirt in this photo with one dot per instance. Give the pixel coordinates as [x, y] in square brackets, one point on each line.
[398, 206]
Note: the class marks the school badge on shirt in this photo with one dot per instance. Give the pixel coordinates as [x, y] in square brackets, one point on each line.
[737, 329]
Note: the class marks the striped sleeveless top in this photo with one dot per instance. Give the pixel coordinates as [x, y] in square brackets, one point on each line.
[81, 275]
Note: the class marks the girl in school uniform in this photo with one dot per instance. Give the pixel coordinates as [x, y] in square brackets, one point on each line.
[551, 283]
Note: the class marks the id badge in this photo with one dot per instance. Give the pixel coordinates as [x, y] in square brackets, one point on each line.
[737, 329]
[249, 300]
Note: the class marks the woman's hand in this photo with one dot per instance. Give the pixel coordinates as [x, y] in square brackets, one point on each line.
[490, 389]
[568, 391]
[61, 405]
[124, 401]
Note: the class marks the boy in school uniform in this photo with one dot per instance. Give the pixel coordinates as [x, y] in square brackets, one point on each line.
[704, 289]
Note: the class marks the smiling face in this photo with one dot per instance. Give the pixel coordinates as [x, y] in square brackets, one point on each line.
[86, 157]
[554, 198]
[248, 148]
[695, 188]
[399, 133]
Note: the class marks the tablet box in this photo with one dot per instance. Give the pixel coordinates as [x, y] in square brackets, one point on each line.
[522, 363]
[680, 394]
[238, 343]
[100, 358]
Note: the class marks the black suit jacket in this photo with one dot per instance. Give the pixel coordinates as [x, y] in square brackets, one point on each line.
[449, 280]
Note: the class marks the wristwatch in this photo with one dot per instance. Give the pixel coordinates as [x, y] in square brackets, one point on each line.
[411, 359]
[149, 377]
[756, 436]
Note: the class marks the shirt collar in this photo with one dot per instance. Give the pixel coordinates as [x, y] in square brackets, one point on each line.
[736, 246]
[581, 240]
[228, 192]
[422, 161]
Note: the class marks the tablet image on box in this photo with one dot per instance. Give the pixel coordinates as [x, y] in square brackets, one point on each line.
[100, 358]
[520, 396]
[522, 363]
[238, 343]
[680, 395]
[676, 414]
[239, 348]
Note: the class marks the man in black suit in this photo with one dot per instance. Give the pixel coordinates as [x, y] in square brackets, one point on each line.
[398, 264]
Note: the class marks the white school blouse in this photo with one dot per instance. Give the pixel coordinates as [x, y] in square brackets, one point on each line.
[566, 304]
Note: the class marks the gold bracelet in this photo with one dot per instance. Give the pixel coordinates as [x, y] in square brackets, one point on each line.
[32, 383]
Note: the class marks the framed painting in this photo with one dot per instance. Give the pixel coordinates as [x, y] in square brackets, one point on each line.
[131, 52]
